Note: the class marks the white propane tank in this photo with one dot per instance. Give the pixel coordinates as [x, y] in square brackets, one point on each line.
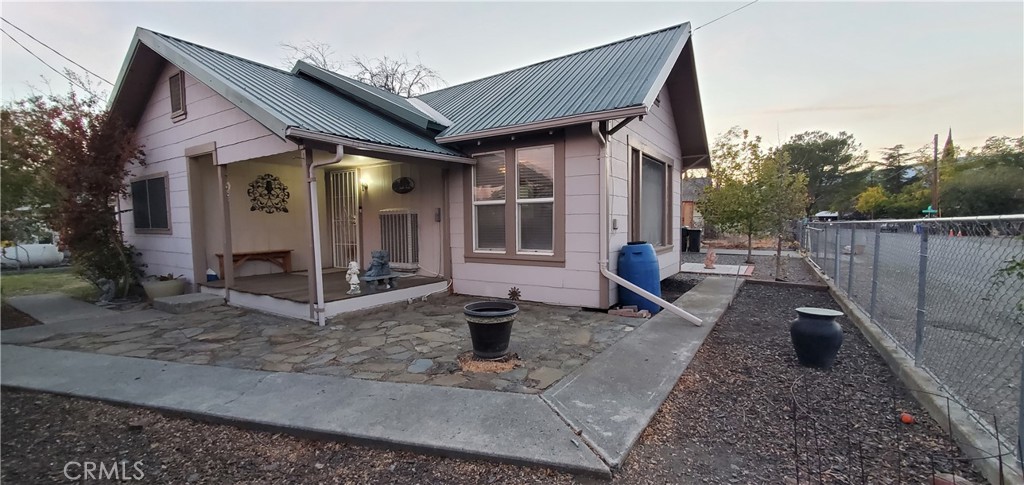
[31, 256]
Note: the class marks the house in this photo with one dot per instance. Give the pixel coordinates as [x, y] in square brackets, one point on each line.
[275, 180]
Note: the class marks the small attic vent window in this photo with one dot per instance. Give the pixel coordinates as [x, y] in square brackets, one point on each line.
[657, 101]
[177, 87]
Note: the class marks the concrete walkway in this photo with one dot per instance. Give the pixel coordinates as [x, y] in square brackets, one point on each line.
[57, 307]
[608, 401]
[613, 398]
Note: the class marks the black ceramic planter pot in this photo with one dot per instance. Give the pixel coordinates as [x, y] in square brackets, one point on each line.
[816, 336]
[490, 327]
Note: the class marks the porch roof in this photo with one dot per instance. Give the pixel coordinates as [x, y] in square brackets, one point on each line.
[280, 100]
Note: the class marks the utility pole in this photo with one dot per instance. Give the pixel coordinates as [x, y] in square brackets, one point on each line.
[935, 176]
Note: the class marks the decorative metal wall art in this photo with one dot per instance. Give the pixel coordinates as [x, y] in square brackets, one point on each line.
[268, 194]
[403, 185]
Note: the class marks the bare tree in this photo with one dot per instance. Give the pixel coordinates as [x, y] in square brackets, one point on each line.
[319, 54]
[397, 74]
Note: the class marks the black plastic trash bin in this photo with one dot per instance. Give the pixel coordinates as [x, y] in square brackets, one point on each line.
[693, 245]
[683, 237]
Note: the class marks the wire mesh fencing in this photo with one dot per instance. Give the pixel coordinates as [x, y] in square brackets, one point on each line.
[940, 289]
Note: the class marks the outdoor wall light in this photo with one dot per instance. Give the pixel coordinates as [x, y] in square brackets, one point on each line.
[365, 184]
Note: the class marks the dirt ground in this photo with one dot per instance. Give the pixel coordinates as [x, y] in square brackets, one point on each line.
[728, 420]
[11, 318]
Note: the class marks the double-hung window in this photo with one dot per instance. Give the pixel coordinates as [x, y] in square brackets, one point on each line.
[489, 203]
[651, 193]
[535, 199]
[517, 204]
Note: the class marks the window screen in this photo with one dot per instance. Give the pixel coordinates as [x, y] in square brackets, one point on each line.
[489, 201]
[652, 201]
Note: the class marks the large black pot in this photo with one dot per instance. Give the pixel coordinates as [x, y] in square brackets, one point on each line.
[490, 327]
[816, 336]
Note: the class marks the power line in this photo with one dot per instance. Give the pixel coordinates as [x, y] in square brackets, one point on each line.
[726, 15]
[55, 51]
[63, 75]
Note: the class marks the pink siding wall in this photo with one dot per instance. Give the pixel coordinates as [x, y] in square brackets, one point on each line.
[211, 118]
[576, 284]
[657, 133]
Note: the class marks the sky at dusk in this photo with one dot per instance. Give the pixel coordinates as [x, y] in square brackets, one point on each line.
[887, 72]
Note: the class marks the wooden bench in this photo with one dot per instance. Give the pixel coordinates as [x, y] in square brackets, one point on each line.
[280, 257]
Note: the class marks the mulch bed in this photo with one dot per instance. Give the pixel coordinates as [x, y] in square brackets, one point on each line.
[729, 420]
[11, 318]
[730, 417]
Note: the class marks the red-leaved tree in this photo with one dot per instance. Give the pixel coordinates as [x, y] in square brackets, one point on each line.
[90, 152]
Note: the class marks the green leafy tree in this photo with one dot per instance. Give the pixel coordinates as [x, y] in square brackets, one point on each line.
[752, 191]
[872, 200]
[27, 190]
[894, 169]
[826, 160]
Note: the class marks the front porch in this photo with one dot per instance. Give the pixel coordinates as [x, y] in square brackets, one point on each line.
[287, 294]
[291, 212]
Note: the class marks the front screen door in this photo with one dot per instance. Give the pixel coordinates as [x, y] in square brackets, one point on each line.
[343, 196]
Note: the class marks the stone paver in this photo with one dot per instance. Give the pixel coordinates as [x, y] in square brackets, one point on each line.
[417, 343]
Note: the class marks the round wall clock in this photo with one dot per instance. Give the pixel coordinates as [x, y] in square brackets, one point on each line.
[268, 194]
[403, 185]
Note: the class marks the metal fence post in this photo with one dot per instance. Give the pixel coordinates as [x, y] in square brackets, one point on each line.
[1020, 419]
[836, 274]
[922, 279]
[853, 249]
[874, 270]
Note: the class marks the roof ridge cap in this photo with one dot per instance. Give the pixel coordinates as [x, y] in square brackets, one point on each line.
[234, 56]
[637, 36]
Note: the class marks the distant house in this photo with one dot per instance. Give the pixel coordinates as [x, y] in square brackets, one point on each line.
[532, 178]
[825, 216]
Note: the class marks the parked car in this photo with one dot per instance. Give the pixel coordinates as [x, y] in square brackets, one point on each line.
[889, 227]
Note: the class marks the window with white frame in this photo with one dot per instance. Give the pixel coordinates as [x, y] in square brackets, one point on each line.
[176, 84]
[651, 189]
[489, 202]
[535, 199]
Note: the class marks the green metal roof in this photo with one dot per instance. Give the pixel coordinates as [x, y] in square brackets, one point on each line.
[281, 100]
[616, 76]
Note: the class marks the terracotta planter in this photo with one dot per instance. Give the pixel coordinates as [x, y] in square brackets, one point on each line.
[816, 336]
[490, 327]
[159, 289]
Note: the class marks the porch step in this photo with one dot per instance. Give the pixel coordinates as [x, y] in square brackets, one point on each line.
[187, 303]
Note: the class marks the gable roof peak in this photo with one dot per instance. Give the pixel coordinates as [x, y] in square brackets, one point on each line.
[684, 25]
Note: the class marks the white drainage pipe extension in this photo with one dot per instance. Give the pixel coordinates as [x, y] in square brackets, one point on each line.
[603, 246]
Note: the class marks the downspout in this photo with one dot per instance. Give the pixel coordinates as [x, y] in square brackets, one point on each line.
[599, 131]
[317, 303]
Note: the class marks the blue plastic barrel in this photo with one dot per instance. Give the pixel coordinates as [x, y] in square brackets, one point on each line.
[638, 264]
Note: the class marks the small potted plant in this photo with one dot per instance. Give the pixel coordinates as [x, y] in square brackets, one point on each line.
[163, 285]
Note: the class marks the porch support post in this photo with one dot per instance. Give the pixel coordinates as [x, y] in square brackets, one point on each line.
[225, 210]
[316, 272]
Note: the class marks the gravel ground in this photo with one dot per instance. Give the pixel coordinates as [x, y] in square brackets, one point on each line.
[729, 420]
[730, 417]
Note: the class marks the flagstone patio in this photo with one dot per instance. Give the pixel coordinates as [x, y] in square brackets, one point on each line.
[412, 343]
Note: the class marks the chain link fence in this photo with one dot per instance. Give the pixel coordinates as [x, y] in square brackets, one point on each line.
[938, 288]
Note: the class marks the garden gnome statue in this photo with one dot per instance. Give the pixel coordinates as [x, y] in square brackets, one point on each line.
[709, 260]
[352, 276]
